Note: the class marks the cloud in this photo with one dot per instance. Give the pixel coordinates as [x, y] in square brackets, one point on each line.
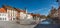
[47, 11]
[43, 11]
[36, 10]
[55, 6]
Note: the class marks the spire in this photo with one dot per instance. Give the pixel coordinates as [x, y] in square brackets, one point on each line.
[26, 10]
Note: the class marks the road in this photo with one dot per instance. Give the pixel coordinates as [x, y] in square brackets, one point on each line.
[47, 26]
[12, 24]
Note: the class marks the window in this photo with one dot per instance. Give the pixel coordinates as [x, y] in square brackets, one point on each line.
[13, 18]
[0, 18]
[5, 18]
[2, 14]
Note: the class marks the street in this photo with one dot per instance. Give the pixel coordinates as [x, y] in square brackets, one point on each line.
[47, 26]
[12, 24]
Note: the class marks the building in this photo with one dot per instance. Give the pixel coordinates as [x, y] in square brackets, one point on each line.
[53, 13]
[36, 17]
[29, 16]
[23, 14]
[58, 8]
[59, 12]
[3, 15]
[12, 13]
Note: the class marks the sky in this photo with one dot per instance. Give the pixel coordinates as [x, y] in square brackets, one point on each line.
[33, 6]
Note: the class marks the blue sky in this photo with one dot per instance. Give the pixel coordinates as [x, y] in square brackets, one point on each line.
[33, 6]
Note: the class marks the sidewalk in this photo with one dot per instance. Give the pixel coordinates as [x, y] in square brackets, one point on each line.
[12, 24]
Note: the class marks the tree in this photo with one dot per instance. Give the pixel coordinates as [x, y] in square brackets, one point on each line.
[48, 16]
[42, 16]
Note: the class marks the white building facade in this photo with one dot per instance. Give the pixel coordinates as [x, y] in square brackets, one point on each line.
[4, 17]
[29, 16]
[12, 14]
[22, 15]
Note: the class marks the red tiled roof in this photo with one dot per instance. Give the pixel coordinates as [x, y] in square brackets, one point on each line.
[20, 10]
[35, 14]
[2, 10]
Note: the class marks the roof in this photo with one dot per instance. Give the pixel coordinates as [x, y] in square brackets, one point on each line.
[35, 14]
[2, 10]
[19, 10]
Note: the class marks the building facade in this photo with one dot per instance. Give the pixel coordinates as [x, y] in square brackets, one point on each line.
[12, 13]
[53, 13]
[3, 15]
[59, 12]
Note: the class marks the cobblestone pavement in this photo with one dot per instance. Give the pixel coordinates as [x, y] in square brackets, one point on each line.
[12, 24]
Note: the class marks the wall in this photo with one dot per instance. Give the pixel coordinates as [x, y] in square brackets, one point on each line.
[59, 13]
[12, 14]
[4, 17]
[22, 15]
